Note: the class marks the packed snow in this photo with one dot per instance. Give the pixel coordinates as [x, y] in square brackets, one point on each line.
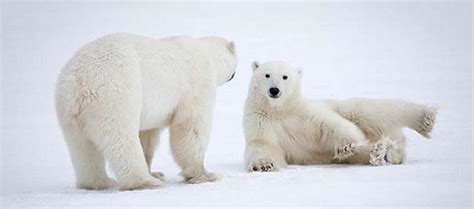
[418, 51]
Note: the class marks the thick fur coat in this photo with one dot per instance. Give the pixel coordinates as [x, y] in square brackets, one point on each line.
[282, 127]
[117, 93]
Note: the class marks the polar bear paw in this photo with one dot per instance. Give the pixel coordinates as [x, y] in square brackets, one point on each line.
[202, 178]
[148, 183]
[263, 165]
[159, 175]
[427, 122]
[98, 184]
[378, 153]
[348, 150]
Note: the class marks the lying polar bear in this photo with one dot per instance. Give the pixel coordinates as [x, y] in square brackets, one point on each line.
[281, 127]
[118, 92]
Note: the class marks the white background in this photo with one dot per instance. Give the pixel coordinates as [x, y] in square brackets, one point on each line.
[418, 51]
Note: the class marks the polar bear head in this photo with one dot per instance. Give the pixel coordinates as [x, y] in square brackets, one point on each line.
[224, 57]
[277, 82]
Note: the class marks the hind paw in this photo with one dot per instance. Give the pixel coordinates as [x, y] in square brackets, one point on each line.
[426, 124]
[158, 175]
[378, 154]
[98, 184]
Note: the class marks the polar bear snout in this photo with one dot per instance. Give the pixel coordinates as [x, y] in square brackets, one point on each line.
[274, 92]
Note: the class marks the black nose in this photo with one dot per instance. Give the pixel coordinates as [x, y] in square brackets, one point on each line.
[274, 91]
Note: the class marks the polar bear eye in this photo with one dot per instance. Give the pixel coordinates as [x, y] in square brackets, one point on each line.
[267, 75]
[285, 77]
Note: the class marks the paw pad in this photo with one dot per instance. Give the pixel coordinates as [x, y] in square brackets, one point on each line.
[378, 154]
[346, 151]
[425, 126]
[262, 166]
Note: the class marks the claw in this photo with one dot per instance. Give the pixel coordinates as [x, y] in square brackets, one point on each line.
[263, 165]
[347, 150]
[378, 154]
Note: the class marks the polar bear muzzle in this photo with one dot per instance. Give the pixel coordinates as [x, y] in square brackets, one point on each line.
[274, 92]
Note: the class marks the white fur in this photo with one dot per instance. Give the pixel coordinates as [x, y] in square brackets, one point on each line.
[118, 92]
[294, 130]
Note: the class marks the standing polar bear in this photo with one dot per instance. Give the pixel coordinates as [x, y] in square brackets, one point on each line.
[118, 92]
[281, 127]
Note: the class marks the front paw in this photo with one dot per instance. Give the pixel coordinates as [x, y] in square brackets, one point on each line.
[348, 150]
[263, 165]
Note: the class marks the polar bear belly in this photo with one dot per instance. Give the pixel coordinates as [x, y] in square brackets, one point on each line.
[157, 112]
[161, 95]
[300, 144]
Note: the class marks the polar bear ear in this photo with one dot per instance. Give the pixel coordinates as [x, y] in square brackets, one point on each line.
[255, 65]
[231, 47]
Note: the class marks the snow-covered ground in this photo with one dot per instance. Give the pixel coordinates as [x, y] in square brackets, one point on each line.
[419, 51]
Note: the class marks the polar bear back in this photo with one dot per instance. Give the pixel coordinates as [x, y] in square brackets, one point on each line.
[164, 73]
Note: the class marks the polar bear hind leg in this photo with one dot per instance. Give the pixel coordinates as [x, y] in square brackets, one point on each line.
[116, 133]
[87, 160]
[378, 117]
[396, 153]
[389, 149]
[109, 115]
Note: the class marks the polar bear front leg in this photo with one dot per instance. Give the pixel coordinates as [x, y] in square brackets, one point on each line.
[263, 156]
[341, 136]
[189, 133]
